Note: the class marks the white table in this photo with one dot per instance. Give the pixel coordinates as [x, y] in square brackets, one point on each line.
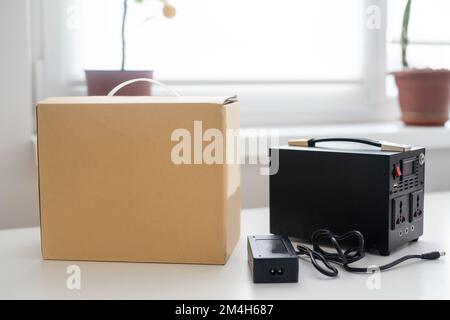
[23, 273]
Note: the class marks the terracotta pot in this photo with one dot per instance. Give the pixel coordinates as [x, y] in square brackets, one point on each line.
[424, 96]
[100, 82]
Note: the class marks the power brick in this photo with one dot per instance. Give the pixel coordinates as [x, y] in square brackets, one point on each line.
[272, 259]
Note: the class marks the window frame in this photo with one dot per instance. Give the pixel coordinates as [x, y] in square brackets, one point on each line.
[263, 103]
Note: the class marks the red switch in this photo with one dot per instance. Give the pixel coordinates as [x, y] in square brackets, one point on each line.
[397, 171]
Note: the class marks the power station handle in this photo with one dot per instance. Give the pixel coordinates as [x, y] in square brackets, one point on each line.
[312, 142]
[384, 145]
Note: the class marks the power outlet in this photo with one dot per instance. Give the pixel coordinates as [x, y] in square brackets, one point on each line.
[400, 211]
[416, 204]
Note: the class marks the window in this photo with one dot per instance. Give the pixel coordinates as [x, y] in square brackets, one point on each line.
[289, 61]
[429, 36]
[228, 40]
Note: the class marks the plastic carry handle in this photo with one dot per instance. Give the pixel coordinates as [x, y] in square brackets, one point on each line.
[312, 142]
[384, 145]
[125, 83]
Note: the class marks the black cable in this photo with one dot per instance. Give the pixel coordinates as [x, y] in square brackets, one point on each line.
[351, 255]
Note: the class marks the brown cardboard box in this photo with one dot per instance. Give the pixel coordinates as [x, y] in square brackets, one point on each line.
[110, 190]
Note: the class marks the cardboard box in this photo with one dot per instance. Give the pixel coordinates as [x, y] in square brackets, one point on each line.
[112, 188]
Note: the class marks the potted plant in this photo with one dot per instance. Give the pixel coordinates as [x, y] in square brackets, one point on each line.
[423, 93]
[100, 82]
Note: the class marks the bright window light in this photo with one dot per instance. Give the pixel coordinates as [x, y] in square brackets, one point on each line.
[429, 34]
[226, 40]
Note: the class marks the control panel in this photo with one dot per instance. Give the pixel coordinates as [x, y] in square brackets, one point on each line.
[407, 195]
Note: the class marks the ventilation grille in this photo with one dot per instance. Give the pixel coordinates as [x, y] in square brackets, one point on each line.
[406, 184]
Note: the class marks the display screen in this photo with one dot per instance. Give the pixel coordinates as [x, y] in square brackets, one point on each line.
[408, 167]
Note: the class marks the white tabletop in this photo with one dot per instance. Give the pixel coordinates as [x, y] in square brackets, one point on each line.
[23, 273]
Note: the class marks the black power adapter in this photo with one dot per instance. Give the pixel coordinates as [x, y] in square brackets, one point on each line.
[272, 258]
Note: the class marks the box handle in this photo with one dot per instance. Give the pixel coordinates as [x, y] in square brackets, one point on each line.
[384, 145]
[125, 83]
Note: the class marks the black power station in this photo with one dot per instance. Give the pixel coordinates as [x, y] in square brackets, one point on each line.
[378, 191]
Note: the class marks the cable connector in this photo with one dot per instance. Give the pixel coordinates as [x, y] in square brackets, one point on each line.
[432, 255]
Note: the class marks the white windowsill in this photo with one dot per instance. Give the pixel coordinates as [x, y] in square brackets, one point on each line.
[428, 137]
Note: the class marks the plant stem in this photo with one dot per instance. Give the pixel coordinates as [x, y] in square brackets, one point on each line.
[124, 20]
[404, 35]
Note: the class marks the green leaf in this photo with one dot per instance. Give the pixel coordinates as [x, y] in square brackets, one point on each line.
[404, 36]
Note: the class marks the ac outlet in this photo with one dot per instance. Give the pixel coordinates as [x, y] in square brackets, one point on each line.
[400, 211]
[416, 205]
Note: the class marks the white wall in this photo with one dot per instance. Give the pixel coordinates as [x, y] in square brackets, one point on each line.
[18, 174]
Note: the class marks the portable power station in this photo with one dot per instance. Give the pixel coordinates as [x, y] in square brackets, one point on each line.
[377, 190]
